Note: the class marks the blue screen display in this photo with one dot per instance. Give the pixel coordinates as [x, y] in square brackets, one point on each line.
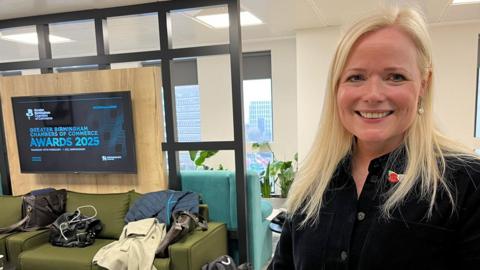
[75, 133]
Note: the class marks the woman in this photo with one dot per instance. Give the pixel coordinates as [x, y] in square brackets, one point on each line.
[381, 188]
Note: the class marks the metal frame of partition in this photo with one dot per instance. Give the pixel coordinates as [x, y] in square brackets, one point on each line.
[166, 54]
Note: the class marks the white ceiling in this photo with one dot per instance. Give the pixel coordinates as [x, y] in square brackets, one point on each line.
[279, 15]
[282, 18]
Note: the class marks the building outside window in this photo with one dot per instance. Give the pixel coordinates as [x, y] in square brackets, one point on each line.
[258, 107]
[188, 113]
[187, 99]
[258, 117]
[258, 110]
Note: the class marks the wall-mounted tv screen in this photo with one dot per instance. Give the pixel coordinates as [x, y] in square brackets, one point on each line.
[75, 133]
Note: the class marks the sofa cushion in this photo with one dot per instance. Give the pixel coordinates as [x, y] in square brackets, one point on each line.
[111, 209]
[48, 257]
[21, 241]
[11, 210]
[3, 247]
[162, 264]
[133, 196]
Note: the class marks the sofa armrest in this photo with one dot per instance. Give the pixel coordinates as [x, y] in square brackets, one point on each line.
[199, 247]
[22, 241]
[266, 207]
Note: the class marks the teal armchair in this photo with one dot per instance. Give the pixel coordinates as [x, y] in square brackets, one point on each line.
[218, 190]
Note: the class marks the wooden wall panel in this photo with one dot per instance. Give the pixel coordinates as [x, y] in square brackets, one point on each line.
[144, 84]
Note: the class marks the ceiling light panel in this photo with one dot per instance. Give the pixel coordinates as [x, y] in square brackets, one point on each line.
[31, 38]
[221, 20]
[189, 31]
[464, 2]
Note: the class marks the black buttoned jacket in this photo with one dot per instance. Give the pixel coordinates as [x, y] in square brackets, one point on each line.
[352, 234]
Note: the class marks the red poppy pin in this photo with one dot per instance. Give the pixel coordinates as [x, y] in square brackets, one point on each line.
[394, 177]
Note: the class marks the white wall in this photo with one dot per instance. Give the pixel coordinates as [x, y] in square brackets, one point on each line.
[315, 49]
[455, 50]
[216, 106]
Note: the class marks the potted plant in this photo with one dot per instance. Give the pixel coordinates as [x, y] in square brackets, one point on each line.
[285, 175]
[278, 170]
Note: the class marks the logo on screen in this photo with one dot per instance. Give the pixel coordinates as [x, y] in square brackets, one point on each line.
[29, 113]
[111, 158]
[39, 114]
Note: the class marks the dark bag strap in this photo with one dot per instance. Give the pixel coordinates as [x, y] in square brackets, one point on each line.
[183, 223]
[198, 220]
[16, 226]
[19, 226]
[26, 219]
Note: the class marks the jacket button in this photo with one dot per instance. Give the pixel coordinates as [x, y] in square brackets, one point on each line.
[343, 255]
[360, 216]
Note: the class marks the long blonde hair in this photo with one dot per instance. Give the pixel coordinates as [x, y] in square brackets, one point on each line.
[426, 148]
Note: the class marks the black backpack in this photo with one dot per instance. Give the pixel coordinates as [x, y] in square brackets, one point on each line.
[225, 262]
[74, 230]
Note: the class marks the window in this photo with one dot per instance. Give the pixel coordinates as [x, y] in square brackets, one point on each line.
[187, 98]
[133, 33]
[188, 113]
[258, 113]
[187, 101]
[257, 162]
[257, 87]
[76, 38]
[257, 99]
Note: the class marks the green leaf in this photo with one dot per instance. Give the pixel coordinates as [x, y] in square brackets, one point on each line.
[207, 153]
[193, 155]
[265, 183]
[199, 161]
[200, 157]
[286, 165]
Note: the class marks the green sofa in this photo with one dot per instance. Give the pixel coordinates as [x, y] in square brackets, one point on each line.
[31, 250]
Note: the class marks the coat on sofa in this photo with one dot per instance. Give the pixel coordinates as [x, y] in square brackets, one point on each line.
[31, 250]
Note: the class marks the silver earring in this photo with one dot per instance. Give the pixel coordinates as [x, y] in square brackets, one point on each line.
[420, 110]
